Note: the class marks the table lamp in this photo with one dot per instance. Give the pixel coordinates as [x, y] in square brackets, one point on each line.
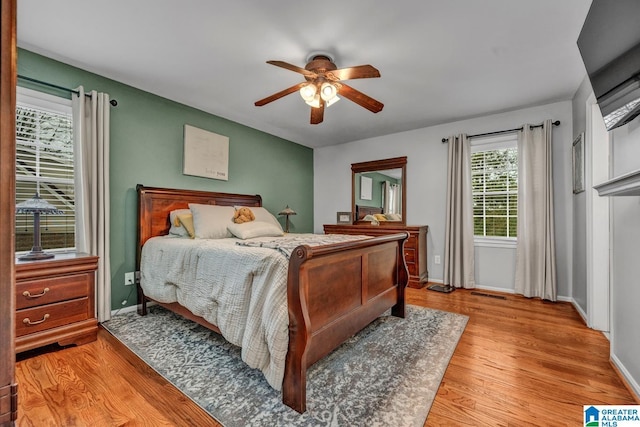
[287, 211]
[36, 206]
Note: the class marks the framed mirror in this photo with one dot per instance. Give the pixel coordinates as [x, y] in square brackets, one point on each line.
[379, 189]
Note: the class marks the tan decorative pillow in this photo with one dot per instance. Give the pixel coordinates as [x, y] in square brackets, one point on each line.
[186, 220]
[380, 217]
[176, 228]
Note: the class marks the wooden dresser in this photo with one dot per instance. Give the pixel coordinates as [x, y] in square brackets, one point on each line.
[55, 301]
[415, 247]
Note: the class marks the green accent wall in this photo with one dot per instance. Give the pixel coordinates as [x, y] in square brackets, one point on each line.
[146, 148]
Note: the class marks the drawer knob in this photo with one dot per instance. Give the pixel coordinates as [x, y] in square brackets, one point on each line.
[28, 294]
[26, 321]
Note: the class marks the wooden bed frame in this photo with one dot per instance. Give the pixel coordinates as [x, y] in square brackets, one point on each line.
[333, 291]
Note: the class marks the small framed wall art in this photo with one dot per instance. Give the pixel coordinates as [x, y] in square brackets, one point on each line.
[578, 164]
[343, 218]
[366, 187]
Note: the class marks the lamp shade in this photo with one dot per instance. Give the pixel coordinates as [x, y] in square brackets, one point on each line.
[287, 211]
[308, 92]
[37, 204]
[328, 91]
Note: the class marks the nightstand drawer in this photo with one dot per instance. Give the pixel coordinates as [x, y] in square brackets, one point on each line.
[49, 316]
[45, 291]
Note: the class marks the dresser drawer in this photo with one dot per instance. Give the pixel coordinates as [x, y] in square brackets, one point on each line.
[409, 256]
[49, 316]
[33, 293]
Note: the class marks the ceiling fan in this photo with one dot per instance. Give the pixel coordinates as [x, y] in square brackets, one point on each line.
[324, 81]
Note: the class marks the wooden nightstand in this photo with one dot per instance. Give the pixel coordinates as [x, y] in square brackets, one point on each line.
[55, 301]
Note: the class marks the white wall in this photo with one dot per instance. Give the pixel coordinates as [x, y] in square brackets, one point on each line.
[426, 185]
[625, 255]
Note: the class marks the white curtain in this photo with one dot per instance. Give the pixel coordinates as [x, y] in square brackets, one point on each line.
[535, 253]
[459, 251]
[392, 197]
[91, 145]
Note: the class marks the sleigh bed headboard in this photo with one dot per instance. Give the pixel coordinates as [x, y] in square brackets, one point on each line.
[155, 204]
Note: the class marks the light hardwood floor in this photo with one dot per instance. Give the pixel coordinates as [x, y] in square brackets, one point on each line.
[519, 362]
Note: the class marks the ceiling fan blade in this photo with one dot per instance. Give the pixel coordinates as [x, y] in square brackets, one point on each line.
[317, 114]
[357, 72]
[295, 68]
[279, 95]
[360, 98]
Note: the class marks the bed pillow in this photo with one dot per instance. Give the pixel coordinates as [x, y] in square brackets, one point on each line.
[380, 217]
[249, 230]
[393, 217]
[186, 220]
[176, 228]
[372, 219]
[211, 221]
[263, 215]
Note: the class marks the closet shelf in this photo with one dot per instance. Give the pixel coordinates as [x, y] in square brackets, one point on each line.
[624, 185]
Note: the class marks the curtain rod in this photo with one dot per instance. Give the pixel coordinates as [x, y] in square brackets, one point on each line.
[498, 132]
[113, 102]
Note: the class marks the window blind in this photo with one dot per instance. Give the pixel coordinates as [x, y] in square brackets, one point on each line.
[494, 174]
[45, 165]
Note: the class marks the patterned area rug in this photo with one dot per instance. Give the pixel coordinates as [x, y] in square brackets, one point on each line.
[388, 374]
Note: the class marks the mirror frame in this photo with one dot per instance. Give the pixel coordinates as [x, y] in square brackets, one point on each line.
[377, 165]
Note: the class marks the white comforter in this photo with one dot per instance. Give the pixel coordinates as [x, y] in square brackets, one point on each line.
[240, 289]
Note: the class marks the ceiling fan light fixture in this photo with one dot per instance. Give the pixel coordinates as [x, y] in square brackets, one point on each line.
[323, 84]
[308, 92]
[314, 102]
[330, 102]
[328, 91]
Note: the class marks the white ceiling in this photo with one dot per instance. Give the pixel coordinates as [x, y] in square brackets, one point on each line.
[440, 60]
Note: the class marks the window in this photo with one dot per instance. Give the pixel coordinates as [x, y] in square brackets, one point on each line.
[44, 165]
[494, 175]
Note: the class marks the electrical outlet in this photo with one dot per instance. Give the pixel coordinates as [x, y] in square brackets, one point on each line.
[436, 259]
[129, 278]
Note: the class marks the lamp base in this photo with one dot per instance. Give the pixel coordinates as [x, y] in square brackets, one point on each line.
[35, 256]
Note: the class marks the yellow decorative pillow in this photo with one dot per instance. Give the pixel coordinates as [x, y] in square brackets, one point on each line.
[380, 217]
[186, 220]
[176, 228]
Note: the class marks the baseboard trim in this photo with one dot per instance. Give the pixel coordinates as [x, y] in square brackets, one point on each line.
[504, 290]
[625, 377]
[580, 311]
[494, 289]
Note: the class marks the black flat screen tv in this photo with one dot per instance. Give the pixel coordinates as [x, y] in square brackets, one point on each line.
[609, 44]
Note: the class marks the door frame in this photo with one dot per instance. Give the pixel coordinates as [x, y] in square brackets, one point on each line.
[8, 55]
[597, 218]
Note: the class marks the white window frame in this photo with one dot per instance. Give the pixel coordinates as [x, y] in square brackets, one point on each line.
[55, 104]
[489, 143]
